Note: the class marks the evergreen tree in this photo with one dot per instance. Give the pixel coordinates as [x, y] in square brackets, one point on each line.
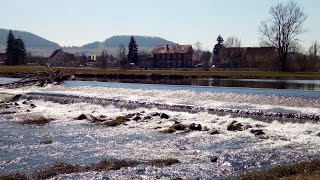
[218, 46]
[20, 51]
[10, 48]
[133, 51]
[16, 51]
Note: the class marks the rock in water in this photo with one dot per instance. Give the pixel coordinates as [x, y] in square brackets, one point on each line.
[214, 131]
[213, 159]
[236, 126]
[195, 127]
[164, 116]
[257, 132]
[82, 117]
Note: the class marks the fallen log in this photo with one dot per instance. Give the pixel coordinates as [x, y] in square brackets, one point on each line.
[40, 79]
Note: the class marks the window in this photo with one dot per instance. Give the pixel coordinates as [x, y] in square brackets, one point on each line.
[174, 56]
[168, 56]
[179, 56]
[163, 56]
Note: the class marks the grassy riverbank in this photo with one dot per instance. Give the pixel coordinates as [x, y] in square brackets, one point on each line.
[20, 71]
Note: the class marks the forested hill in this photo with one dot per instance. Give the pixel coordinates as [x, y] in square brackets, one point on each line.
[31, 40]
[142, 41]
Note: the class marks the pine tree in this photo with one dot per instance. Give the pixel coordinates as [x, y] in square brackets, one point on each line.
[218, 46]
[16, 51]
[20, 51]
[10, 49]
[133, 51]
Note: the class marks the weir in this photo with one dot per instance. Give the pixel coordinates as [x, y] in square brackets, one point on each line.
[130, 104]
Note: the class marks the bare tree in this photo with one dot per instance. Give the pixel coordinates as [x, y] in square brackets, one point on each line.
[232, 41]
[198, 49]
[205, 58]
[103, 59]
[314, 49]
[283, 28]
[122, 55]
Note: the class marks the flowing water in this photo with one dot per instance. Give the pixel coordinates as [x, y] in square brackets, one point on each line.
[294, 139]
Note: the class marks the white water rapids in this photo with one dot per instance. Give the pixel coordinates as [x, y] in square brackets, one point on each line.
[80, 142]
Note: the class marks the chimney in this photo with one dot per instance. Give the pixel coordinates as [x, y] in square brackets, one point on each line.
[167, 47]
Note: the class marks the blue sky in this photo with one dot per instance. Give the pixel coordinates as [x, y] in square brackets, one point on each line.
[77, 22]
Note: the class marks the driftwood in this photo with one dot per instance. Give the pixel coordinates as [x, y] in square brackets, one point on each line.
[40, 79]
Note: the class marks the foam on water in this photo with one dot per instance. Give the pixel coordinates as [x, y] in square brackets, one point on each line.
[80, 142]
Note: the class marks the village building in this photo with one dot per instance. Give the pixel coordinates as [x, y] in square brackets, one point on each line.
[3, 57]
[61, 58]
[172, 56]
[235, 57]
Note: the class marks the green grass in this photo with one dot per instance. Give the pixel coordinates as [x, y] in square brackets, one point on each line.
[136, 73]
[304, 170]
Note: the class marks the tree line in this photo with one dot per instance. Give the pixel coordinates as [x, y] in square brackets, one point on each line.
[282, 31]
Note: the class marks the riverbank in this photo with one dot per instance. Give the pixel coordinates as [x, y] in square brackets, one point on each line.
[89, 73]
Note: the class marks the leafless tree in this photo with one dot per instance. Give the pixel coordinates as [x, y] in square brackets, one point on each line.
[314, 49]
[122, 55]
[232, 41]
[283, 28]
[103, 59]
[205, 58]
[198, 49]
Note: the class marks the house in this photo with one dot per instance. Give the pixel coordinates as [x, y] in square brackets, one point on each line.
[3, 57]
[61, 58]
[243, 56]
[172, 56]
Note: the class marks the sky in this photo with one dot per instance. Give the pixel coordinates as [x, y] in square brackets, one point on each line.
[78, 22]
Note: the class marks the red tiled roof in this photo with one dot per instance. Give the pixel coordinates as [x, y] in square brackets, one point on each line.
[172, 49]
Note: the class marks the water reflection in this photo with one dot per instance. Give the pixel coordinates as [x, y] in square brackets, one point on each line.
[249, 83]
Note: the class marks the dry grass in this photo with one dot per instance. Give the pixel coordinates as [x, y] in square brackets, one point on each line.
[100, 166]
[46, 142]
[194, 73]
[35, 120]
[15, 176]
[7, 112]
[116, 122]
[169, 130]
[56, 170]
[113, 165]
[163, 162]
[304, 170]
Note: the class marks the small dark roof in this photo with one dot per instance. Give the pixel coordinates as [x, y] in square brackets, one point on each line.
[172, 49]
[260, 51]
[233, 51]
[55, 53]
[70, 56]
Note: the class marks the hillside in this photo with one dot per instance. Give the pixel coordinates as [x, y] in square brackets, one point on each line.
[115, 41]
[142, 41]
[31, 40]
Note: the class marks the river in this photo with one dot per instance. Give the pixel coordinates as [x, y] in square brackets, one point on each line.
[81, 142]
